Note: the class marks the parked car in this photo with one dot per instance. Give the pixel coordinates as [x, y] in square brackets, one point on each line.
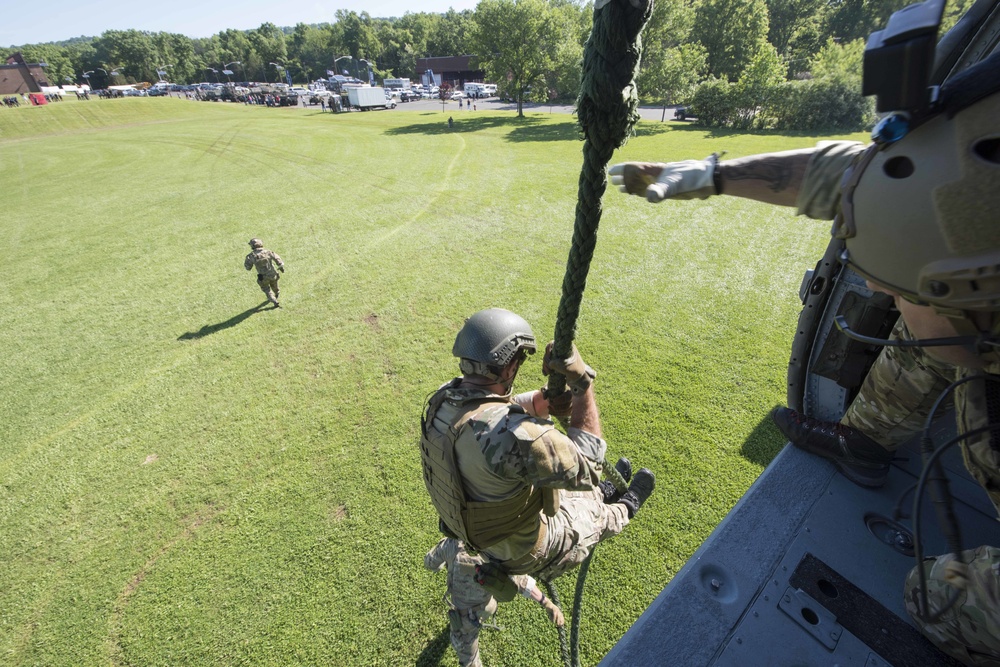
[409, 96]
[457, 95]
[681, 113]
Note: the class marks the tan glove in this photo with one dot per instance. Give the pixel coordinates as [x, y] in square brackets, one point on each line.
[561, 405]
[688, 179]
[554, 612]
[578, 374]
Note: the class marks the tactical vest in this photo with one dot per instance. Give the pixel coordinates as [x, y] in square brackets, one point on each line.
[262, 263]
[478, 524]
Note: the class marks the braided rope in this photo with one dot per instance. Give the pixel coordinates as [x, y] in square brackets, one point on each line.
[607, 110]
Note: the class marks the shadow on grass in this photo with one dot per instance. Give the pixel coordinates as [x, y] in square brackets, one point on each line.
[214, 328]
[529, 128]
[435, 649]
[721, 132]
[521, 129]
[764, 443]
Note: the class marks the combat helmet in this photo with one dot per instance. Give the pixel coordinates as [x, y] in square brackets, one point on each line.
[919, 214]
[491, 339]
[256, 243]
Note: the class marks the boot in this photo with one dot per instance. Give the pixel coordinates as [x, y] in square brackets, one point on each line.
[611, 494]
[858, 457]
[639, 490]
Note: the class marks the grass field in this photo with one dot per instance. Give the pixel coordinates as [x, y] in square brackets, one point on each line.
[187, 478]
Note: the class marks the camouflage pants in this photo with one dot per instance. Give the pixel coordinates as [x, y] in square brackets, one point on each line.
[267, 285]
[465, 625]
[898, 393]
[582, 522]
[970, 630]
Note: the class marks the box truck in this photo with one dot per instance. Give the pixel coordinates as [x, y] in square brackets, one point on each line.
[369, 98]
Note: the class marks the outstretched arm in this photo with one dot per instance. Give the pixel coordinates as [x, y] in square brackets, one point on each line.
[772, 178]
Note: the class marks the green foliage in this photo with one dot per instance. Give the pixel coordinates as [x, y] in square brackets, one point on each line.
[714, 103]
[830, 103]
[848, 20]
[841, 61]
[670, 75]
[787, 18]
[831, 99]
[188, 480]
[517, 43]
[732, 32]
[718, 103]
[756, 86]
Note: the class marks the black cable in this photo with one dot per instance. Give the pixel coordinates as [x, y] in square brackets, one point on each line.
[961, 341]
[923, 603]
[941, 497]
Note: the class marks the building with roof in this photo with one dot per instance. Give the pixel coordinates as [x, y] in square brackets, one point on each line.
[18, 76]
[456, 70]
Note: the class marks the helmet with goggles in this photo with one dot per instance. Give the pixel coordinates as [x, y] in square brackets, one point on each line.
[491, 339]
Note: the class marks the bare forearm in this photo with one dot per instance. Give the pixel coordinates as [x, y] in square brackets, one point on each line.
[772, 178]
[585, 415]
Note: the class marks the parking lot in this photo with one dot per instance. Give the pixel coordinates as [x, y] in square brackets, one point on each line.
[494, 104]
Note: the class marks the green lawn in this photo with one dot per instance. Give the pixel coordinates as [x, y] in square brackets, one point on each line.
[186, 479]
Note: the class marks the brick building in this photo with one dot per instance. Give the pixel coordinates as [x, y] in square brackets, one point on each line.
[17, 76]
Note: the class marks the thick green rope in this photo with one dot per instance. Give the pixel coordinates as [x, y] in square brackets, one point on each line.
[607, 110]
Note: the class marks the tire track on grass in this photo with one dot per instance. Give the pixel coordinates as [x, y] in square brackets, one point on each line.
[378, 239]
[191, 524]
[16, 459]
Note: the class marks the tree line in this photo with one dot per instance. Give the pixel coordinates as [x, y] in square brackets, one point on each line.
[791, 64]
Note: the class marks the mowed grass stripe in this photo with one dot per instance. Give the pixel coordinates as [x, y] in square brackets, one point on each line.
[185, 480]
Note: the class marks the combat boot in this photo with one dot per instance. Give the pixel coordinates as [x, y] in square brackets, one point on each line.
[639, 490]
[858, 457]
[611, 494]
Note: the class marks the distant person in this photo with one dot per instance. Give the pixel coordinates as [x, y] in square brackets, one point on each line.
[267, 278]
[451, 122]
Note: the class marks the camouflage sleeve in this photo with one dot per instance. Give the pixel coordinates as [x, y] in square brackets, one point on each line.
[439, 555]
[551, 459]
[277, 260]
[248, 262]
[819, 194]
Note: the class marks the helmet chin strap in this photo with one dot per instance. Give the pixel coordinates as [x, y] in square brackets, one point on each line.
[470, 367]
[972, 342]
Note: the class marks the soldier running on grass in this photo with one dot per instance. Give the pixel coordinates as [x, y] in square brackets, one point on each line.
[267, 278]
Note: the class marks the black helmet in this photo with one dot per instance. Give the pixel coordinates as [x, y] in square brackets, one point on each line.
[491, 339]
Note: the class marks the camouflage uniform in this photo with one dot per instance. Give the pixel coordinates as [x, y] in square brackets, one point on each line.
[267, 278]
[501, 451]
[470, 604]
[892, 405]
[898, 393]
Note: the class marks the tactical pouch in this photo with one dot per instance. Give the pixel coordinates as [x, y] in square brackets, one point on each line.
[495, 579]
